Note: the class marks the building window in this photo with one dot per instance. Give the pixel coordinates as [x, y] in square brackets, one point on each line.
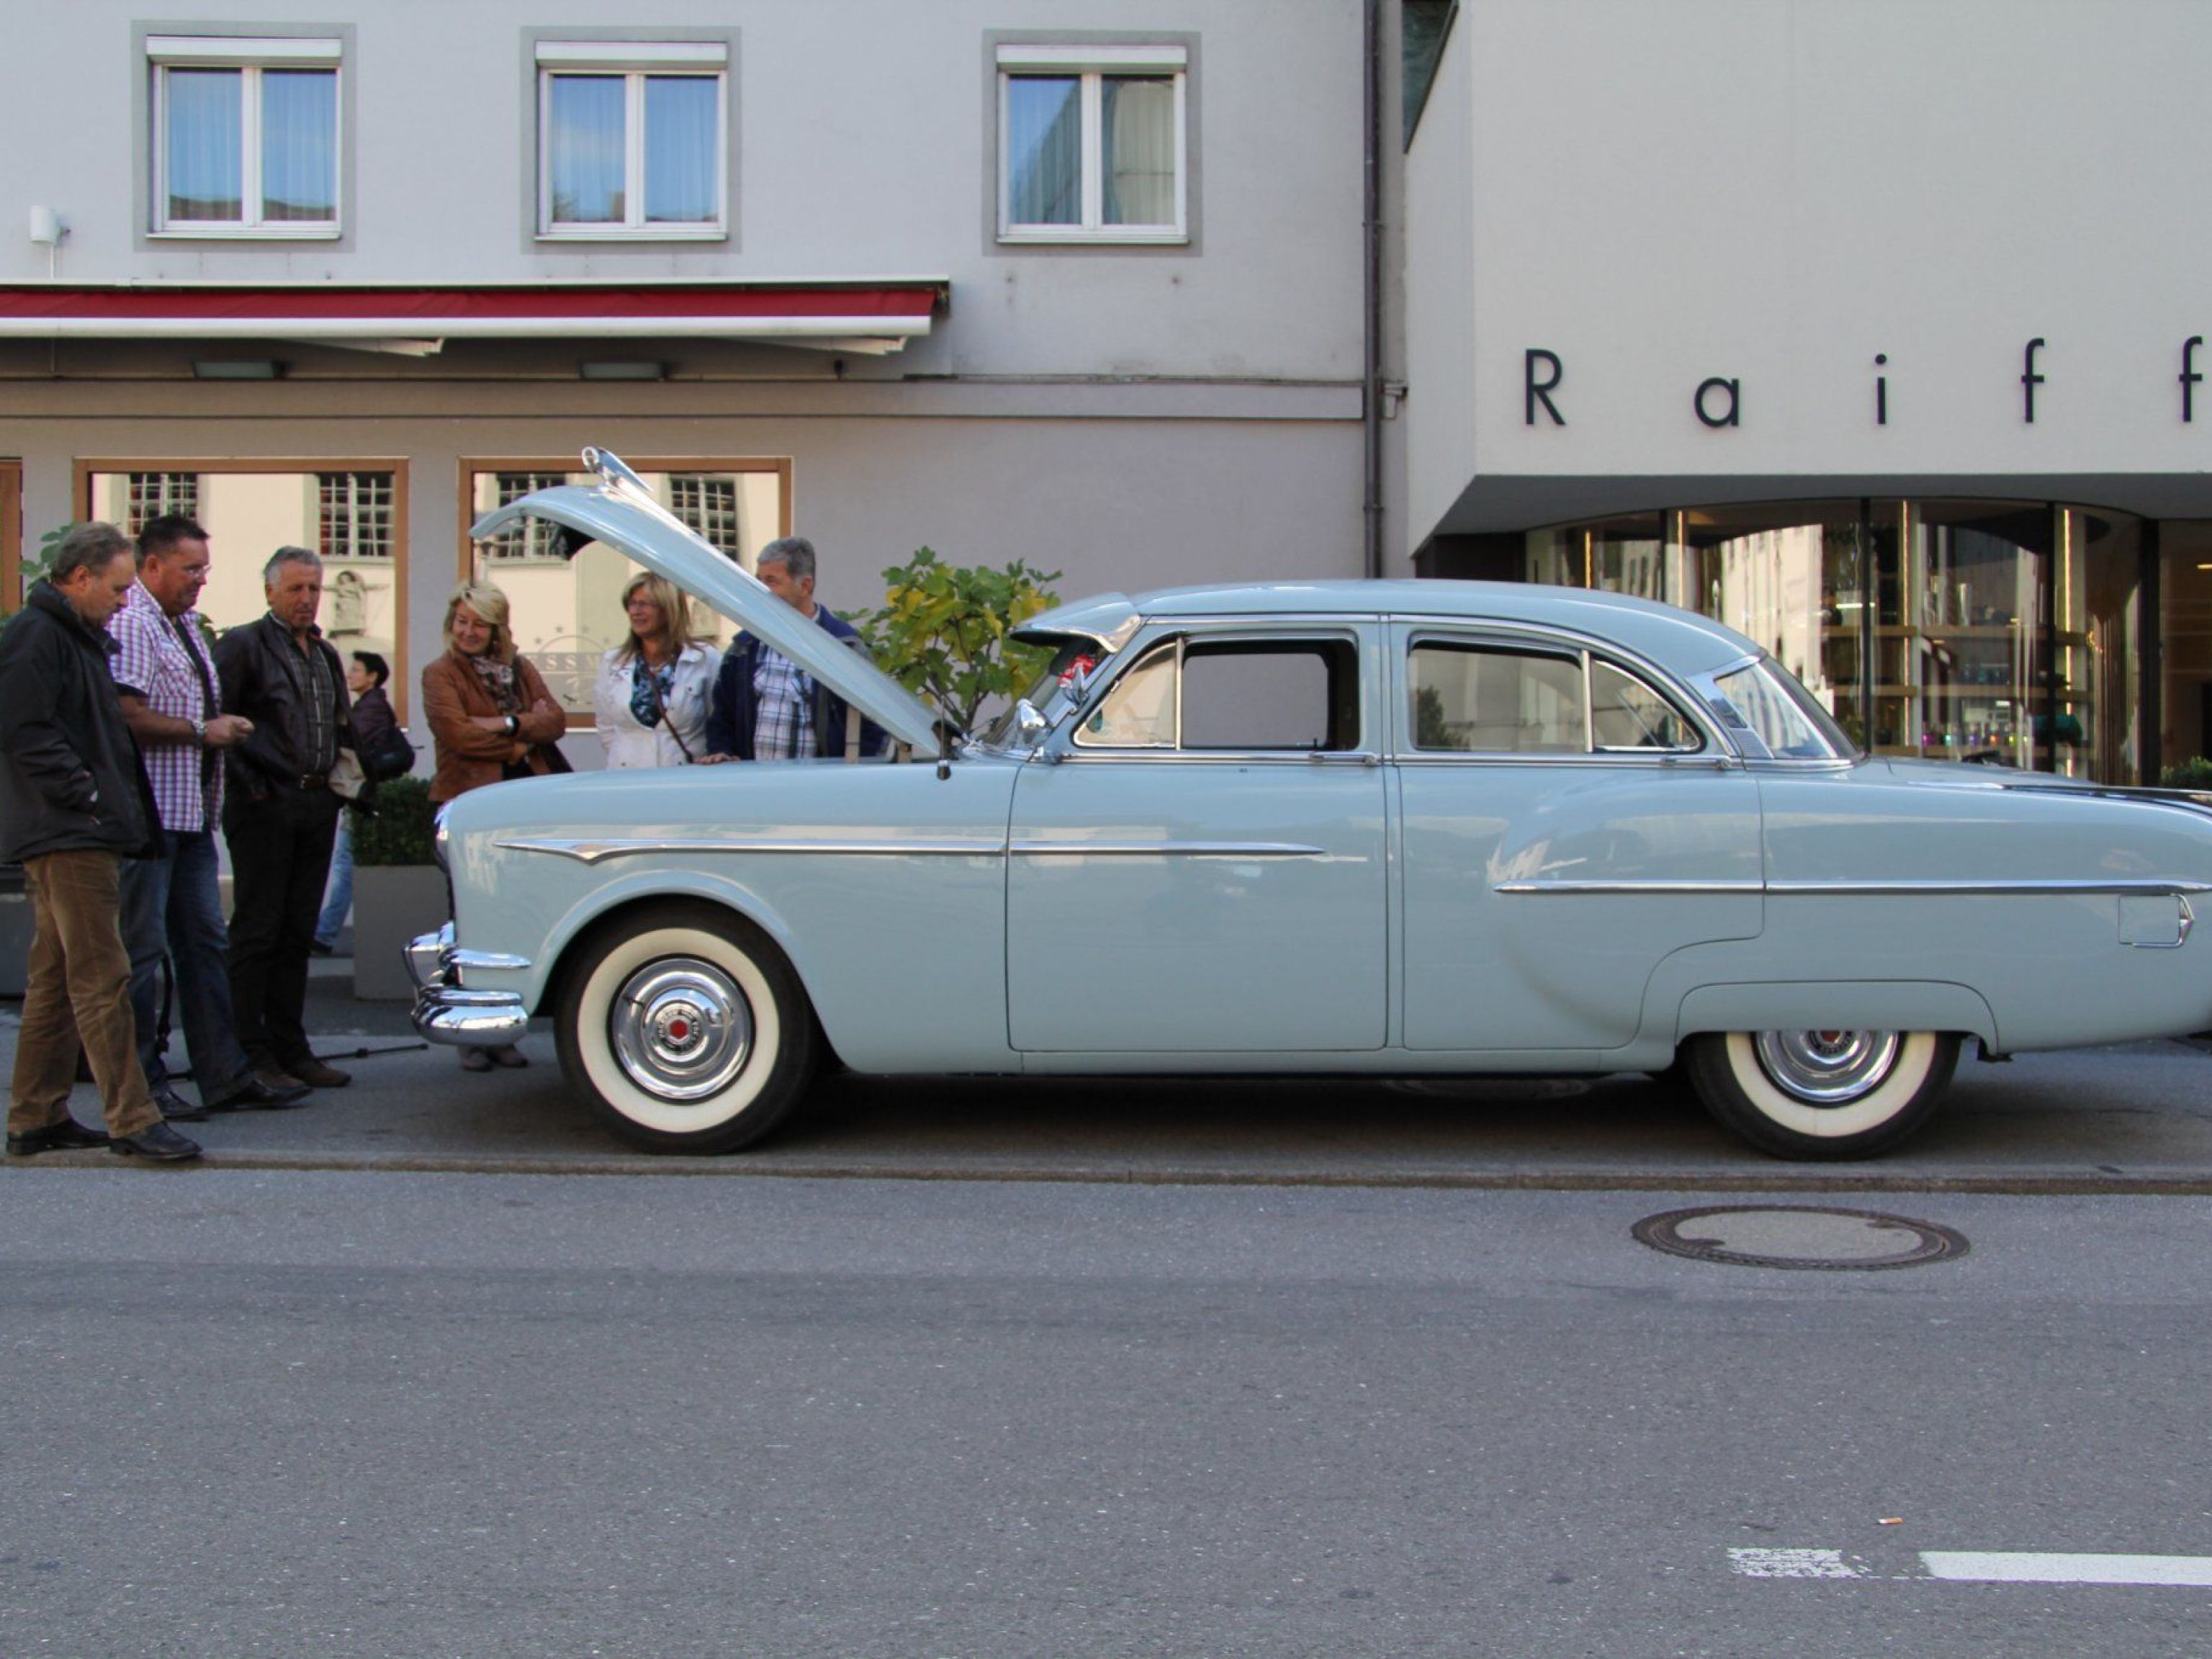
[353, 512]
[709, 507]
[149, 495]
[631, 138]
[245, 136]
[1093, 144]
[533, 539]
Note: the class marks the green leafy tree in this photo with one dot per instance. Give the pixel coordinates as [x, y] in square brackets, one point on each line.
[34, 566]
[944, 632]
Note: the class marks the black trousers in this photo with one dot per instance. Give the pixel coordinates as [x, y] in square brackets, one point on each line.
[280, 857]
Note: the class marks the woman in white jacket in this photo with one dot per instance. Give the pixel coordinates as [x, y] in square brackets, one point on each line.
[653, 690]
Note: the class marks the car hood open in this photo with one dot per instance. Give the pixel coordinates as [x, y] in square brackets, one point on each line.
[621, 511]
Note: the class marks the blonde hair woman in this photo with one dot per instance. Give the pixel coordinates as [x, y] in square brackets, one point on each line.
[653, 690]
[490, 719]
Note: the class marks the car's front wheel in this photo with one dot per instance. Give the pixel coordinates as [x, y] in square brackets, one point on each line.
[685, 1031]
[1821, 1094]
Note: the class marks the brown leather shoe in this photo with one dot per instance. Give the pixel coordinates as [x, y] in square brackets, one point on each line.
[316, 1075]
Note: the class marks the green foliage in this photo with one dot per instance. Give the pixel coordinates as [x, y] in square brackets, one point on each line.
[943, 632]
[400, 832]
[34, 567]
[2195, 773]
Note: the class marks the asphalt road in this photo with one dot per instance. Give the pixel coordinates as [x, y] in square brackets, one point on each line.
[274, 1411]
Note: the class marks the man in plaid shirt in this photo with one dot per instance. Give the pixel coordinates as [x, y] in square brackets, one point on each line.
[172, 905]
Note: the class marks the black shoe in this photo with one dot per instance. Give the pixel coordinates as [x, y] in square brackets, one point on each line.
[261, 1091]
[175, 1109]
[66, 1136]
[313, 1072]
[318, 948]
[160, 1143]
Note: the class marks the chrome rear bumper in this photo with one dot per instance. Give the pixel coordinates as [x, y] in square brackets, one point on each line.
[447, 1012]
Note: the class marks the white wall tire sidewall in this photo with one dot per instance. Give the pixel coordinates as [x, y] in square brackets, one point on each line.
[596, 1050]
[1916, 1057]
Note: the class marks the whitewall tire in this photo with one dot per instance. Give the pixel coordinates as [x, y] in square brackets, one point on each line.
[1821, 1094]
[685, 1030]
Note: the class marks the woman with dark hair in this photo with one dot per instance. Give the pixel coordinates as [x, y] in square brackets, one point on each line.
[491, 719]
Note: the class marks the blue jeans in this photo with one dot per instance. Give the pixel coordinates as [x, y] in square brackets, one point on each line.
[340, 899]
[172, 905]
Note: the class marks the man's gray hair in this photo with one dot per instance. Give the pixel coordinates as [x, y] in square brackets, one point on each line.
[87, 547]
[794, 553]
[284, 556]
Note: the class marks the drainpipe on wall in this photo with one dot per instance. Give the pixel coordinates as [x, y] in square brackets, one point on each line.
[1371, 364]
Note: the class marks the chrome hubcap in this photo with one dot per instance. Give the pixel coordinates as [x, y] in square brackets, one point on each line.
[682, 1029]
[1826, 1068]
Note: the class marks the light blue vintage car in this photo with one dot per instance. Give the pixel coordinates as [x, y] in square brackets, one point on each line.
[1375, 827]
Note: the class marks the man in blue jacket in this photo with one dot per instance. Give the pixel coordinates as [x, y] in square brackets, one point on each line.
[765, 707]
[73, 804]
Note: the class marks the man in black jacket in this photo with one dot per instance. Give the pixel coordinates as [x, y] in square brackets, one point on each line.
[73, 804]
[279, 814]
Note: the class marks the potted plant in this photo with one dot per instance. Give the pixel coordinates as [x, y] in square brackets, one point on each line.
[397, 890]
[944, 632]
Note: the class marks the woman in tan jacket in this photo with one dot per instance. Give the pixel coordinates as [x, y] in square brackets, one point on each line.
[490, 718]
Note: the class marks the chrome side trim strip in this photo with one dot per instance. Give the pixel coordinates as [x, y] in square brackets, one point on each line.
[1153, 849]
[1581, 887]
[592, 852]
[1869, 889]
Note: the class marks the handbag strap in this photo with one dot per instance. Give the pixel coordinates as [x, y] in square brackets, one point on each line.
[667, 724]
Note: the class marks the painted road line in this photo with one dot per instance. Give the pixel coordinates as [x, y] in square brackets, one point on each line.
[1794, 1564]
[1983, 1567]
[2014, 1567]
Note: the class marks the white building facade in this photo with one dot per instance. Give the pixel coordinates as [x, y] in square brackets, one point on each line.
[1872, 327]
[1080, 284]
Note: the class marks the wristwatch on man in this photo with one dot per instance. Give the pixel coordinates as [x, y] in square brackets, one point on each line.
[199, 731]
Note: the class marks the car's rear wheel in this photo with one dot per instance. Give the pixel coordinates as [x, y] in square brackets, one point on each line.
[1821, 1094]
[685, 1031]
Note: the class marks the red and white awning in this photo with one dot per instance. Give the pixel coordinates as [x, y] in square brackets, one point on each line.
[856, 315]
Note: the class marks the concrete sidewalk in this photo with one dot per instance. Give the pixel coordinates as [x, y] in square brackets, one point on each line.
[2130, 1119]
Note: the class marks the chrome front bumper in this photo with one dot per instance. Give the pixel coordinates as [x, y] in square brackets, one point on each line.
[447, 1012]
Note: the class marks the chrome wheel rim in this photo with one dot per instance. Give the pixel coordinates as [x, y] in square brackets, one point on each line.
[682, 1029]
[1827, 1068]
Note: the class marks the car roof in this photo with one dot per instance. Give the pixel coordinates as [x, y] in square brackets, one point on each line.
[1676, 639]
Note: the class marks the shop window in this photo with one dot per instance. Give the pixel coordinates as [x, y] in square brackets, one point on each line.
[246, 135]
[1093, 144]
[632, 138]
[354, 518]
[565, 602]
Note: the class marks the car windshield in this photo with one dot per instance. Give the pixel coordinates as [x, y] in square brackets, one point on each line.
[1765, 703]
[1050, 693]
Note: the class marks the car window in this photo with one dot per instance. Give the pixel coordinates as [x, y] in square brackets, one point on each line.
[1626, 714]
[1238, 696]
[1480, 699]
[1496, 699]
[1771, 704]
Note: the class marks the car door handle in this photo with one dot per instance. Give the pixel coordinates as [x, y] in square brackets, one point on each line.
[1344, 757]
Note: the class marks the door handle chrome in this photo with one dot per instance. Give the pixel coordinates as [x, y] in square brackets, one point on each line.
[1344, 757]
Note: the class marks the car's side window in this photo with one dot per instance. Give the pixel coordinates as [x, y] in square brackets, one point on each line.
[1299, 697]
[1628, 715]
[1495, 699]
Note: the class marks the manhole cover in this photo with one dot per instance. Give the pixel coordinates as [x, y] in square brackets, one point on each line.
[1789, 1236]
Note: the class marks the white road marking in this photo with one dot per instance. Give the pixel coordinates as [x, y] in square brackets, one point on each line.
[1793, 1564]
[2014, 1567]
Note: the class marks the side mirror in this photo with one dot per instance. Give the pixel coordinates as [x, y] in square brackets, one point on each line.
[1029, 723]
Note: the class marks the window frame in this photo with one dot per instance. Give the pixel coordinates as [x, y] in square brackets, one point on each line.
[1089, 64]
[471, 467]
[634, 62]
[85, 470]
[1173, 641]
[1715, 749]
[251, 55]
